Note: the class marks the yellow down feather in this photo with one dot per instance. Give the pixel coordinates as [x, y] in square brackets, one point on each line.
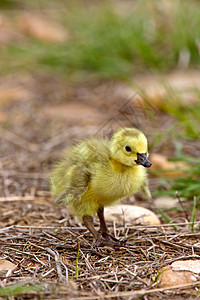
[98, 172]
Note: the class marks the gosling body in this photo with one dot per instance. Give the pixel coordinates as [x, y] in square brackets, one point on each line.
[96, 173]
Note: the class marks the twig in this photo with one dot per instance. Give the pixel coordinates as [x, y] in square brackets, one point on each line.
[87, 261]
[83, 228]
[32, 244]
[61, 277]
[177, 246]
[20, 198]
[6, 228]
[160, 225]
[135, 275]
[47, 227]
[41, 262]
[24, 175]
[66, 270]
[47, 273]
[139, 292]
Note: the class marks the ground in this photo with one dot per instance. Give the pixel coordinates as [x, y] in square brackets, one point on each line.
[49, 249]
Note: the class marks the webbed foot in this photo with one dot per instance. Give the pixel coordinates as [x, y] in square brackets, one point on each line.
[109, 240]
[112, 243]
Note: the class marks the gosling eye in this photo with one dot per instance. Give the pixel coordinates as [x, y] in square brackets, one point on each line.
[128, 149]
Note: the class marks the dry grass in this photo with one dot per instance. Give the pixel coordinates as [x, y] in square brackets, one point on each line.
[64, 261]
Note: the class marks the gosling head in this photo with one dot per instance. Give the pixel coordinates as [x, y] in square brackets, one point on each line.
[129, 147]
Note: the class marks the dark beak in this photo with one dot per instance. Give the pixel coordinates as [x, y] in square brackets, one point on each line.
[143, 160]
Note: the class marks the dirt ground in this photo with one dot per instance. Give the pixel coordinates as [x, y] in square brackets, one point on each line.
[39, 118]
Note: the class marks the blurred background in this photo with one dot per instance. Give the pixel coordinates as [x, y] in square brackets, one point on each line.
[71, 69]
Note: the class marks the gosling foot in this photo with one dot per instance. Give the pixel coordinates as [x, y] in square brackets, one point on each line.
[107, 239]
[101, 241]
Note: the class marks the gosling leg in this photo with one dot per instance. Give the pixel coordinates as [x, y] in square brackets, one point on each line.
[89, 224]
[100, 239]
[103, 227]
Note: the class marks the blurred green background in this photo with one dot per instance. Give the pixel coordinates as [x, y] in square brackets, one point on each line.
[104, 39]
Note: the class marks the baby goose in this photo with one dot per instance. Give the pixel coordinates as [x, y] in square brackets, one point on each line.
[96, 173]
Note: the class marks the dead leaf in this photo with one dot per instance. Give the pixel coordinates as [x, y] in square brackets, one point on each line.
[166, 202]
[41, 28]
[131, 214]
[186, 265]
[169, 168]
[6, 265]
[168, 277]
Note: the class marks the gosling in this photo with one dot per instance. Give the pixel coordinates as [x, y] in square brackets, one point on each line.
[97, 172]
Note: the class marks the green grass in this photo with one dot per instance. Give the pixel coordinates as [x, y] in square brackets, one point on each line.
[194, 210]
[105, 43]
[186, 129]
[167, 219]
[19, 289]
[187, 186]
[183, 130]
[186, 115]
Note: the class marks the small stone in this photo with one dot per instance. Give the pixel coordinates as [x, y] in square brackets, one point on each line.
[131, 214]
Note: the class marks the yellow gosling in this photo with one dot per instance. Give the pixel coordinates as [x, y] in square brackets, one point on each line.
[96, 173]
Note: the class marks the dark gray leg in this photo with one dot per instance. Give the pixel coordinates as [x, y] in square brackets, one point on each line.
[89, 223]
[103, 227]
[103, 238]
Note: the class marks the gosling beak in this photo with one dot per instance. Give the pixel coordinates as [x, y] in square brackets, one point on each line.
[143, 160]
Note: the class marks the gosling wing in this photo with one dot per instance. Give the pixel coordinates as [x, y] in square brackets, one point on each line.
[73, 184]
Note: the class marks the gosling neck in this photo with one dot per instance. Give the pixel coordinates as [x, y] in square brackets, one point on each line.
[118, 166]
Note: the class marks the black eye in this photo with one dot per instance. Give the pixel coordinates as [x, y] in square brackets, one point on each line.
[128, 149]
